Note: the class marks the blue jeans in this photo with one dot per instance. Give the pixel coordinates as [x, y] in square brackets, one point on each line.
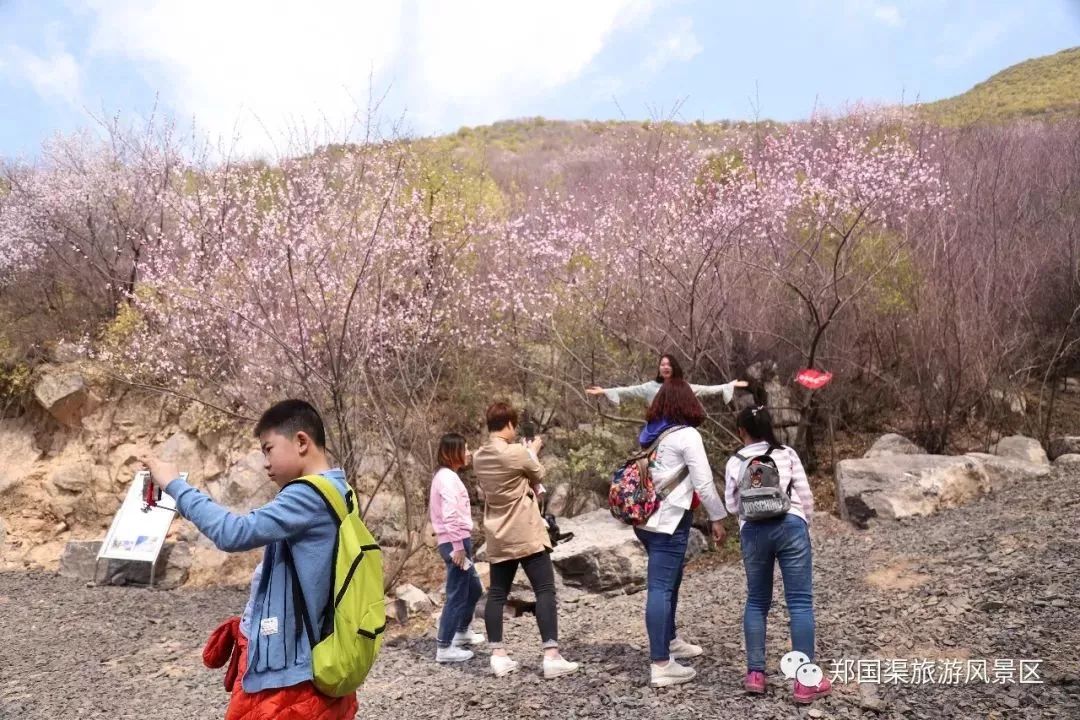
[764, 543]
[463, 590]
[667, 555]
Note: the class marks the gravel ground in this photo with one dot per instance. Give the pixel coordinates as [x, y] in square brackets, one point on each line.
[994, 580]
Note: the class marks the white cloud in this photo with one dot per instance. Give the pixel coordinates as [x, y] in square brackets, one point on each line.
[965, 44]
[54, 76]
[888, 14]
[678, 45]
[252, 69]
[480, 60]
[862, 10]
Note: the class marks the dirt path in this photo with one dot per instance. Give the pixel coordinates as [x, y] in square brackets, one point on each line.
[995, 580]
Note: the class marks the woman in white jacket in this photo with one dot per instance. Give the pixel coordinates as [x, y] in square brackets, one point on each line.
[680, 467]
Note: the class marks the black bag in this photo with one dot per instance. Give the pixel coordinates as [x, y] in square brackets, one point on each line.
[554, 533]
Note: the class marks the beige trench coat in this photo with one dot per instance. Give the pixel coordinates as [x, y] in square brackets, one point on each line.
[513, 527]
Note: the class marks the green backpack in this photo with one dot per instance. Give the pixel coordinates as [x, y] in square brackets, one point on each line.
[350, 634]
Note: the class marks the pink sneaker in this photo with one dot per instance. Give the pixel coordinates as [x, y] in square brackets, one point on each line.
[755, 682]
[805, 695]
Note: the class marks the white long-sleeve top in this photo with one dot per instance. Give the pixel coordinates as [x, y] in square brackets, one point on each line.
[791, 474]
[647, 392]
[681, 451]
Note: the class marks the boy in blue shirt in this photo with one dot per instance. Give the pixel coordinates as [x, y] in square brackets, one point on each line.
[275, 664]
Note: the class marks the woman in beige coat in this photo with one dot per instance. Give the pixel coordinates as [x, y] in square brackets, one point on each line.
[510, 476]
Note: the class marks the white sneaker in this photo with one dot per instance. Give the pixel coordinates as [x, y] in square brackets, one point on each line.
[452, 654]
[679, 649]
[558, 667]
[502, 665]
[671, 674]
[468, 638]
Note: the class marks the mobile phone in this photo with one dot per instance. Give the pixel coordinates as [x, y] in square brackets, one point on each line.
[151, 493]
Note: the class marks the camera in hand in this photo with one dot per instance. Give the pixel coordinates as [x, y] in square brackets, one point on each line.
[527, 432]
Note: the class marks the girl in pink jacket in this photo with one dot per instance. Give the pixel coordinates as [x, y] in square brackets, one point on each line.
[451, 517]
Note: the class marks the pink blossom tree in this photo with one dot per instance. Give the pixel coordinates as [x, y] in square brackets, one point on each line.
[332, 276]
[836, 211]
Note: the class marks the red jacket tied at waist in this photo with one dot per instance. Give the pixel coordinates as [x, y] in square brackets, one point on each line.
[224, 647]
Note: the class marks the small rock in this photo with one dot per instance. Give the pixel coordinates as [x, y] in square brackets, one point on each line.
[416, 600]
[696, 544]
[814, 713]
[396, 610]
[1064, 446]
[1070, 460]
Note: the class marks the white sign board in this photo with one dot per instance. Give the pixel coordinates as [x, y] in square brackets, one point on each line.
[135, 533]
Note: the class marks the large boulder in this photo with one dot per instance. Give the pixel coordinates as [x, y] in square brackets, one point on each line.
[900, 486]
[183, 450]
[603, 555]
[70, 478]
[1070, 444]
[79, 561]
[64, 487]
[18, 453]
[568, 501]
[557, 501]
[893, 444]
[385, 517]
[63, 394]
[1021, 448]
[245, 485]
[1005, 471]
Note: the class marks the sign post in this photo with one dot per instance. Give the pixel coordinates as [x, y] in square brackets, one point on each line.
[138, 532]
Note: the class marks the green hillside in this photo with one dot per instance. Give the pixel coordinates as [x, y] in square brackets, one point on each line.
[1046, 86]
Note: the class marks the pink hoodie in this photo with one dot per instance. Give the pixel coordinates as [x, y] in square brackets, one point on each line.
[451, 516]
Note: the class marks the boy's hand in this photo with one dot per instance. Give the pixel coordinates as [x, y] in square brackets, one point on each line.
[161, 472]
[458, 558]
[536, 444]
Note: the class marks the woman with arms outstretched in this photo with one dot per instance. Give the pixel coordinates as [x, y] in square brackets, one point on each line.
[668, 369]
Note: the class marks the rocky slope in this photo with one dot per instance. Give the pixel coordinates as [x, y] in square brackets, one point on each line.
[994, 579]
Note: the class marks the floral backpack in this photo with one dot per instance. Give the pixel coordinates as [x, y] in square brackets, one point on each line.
[633, 497]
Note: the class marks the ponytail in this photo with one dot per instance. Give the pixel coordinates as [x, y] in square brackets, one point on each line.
[757, 423]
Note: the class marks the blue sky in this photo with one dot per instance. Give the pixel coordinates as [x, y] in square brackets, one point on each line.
[249, 73]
